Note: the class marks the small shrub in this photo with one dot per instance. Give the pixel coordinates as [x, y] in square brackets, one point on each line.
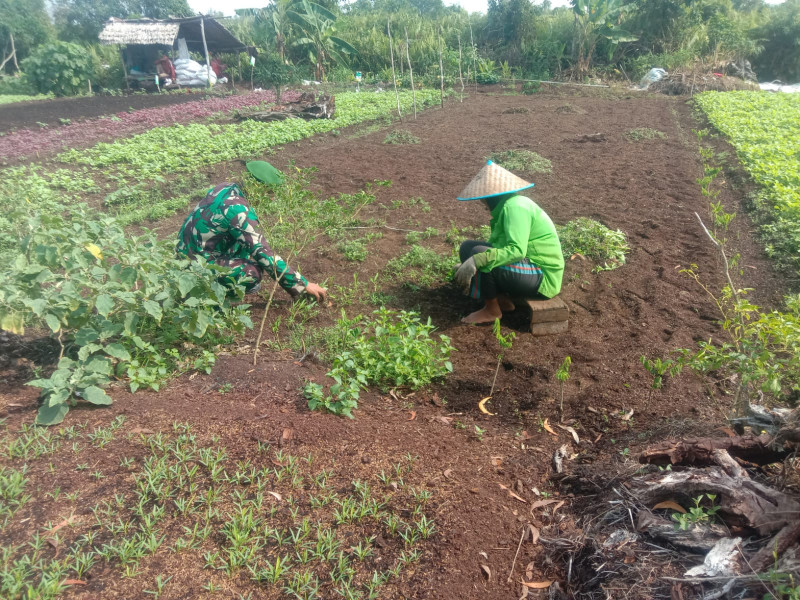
[421, 265]
[400, 136]
[531, 87]
[523, 161]
[593, 240]
[393, 349]
[487, 78]
[354, 250]
[59, 67]
[644, 133]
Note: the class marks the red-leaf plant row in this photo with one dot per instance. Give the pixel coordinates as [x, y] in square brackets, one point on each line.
[27, 142]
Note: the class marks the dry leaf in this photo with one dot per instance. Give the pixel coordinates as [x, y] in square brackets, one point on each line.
[597, 439]
[512, 494]
[537, 585]
[484, 555]
[277, 496]
[288, 434]
[557, 506]
[627, 416]
[525, 435]
[541, 503]
[73, 582]
[629, 559]
[726, 430]
[672, 505]
[412, 415]
[529, 570]
[482, 406]
[444, 420]
[572, 431]
[487, 572]
[592, 409]
[94, 250]
[532, 533]
[448, 473]
[496, 460]
[142, 430]
[64, 523]
[546, 425]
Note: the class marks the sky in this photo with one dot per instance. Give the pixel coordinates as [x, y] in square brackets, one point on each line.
[228, 6]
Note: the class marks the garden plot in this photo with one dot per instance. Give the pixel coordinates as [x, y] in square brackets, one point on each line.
[486, 478]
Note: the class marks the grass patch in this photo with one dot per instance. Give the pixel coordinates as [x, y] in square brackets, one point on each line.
[421, 267]
[593, 240]
[259, 524]
[400, 136]
[644, 133]
[523, 161]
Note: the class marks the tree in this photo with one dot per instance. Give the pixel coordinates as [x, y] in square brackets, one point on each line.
[322, 46]
[510, 22]
[596, 20]
[82, 20]
[781, 39]
[23, 26]
[272, 23]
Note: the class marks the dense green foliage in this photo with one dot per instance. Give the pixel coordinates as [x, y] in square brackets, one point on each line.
[593, 240]
[116, 304]
[61, 68]
[765, 129]
[393, 349]
[11, 99]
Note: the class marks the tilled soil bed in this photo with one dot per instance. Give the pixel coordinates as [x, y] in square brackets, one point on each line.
[486, 486]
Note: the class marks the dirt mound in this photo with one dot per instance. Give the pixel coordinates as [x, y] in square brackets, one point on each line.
[688, 83]
[570, 109]
[516, 110]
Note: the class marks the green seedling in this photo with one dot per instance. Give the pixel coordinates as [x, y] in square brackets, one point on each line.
[562, 375]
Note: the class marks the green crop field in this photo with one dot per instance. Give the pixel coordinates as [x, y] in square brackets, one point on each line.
[765, 130]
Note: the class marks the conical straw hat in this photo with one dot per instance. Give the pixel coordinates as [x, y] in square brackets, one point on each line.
[493, 180]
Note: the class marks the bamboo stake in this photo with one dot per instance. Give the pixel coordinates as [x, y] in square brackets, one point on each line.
[394, 78]
[472, 42]
[441, 66]
[460, 72]
[411, 74]
[205, 49]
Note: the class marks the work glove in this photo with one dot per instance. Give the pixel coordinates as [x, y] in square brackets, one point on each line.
[465, 273]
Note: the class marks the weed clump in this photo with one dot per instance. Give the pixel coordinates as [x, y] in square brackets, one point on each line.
[593, 240]
[421, 265]
[523, 161]
[400, 136]
[644, 133]
[393, 349]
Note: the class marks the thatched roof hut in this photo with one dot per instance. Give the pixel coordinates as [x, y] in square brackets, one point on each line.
[146, 32]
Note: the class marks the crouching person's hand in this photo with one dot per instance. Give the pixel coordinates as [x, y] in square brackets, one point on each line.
[319, 293]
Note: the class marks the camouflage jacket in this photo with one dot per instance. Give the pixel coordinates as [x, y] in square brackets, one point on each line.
[224, 226]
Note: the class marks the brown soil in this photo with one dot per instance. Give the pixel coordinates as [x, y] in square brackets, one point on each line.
[29, 114]
[648, 190]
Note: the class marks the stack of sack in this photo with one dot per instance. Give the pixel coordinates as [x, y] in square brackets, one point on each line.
[192, 73]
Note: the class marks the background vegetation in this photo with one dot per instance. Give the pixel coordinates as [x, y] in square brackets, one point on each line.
[301, 39]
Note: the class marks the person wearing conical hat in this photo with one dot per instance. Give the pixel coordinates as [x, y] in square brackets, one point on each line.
[521, 259]
[223, 229]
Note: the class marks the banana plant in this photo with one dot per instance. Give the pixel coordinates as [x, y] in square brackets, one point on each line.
[596, 20]
[317, 23]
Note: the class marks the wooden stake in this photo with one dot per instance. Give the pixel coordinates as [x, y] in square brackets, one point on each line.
[394, 78]
[411, 74]
[460, 72]
[14, 51]
[124, 69]
[472, 42]
[205, 49]
[441, 66]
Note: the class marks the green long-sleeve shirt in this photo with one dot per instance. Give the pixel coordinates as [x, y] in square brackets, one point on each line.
[521, 229]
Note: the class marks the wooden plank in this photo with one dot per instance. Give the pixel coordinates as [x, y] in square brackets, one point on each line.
[548, 311]
[553, 328]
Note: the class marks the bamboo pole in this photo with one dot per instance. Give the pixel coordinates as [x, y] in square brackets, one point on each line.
[124, 69]
[472, 43]
[441, 66]
[411, 74]
[205, 49]
[460, 72]
[394, 77]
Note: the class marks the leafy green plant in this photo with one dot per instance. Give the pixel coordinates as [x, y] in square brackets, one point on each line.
[523, 161]
[61, 68]
[697, 513]
[115, 304]
[593, 240]
[658, 368]
[644, 133]
[400, 136]
[423, 266]
[393, 349]
[562, 375]
[505, 342]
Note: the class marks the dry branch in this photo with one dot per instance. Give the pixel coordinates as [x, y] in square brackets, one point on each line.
[700, 451]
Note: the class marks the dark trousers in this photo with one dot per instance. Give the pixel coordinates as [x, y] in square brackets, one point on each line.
[520, 279]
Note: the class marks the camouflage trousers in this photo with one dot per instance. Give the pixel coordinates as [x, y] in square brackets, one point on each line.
[244, 272]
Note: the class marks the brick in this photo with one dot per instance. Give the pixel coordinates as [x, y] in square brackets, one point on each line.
[548, 311]
[553, 328]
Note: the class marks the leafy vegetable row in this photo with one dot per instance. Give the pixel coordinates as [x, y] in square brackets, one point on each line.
[765, 130]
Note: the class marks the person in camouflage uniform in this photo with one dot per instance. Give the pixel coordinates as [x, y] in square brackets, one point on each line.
[224, 230]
